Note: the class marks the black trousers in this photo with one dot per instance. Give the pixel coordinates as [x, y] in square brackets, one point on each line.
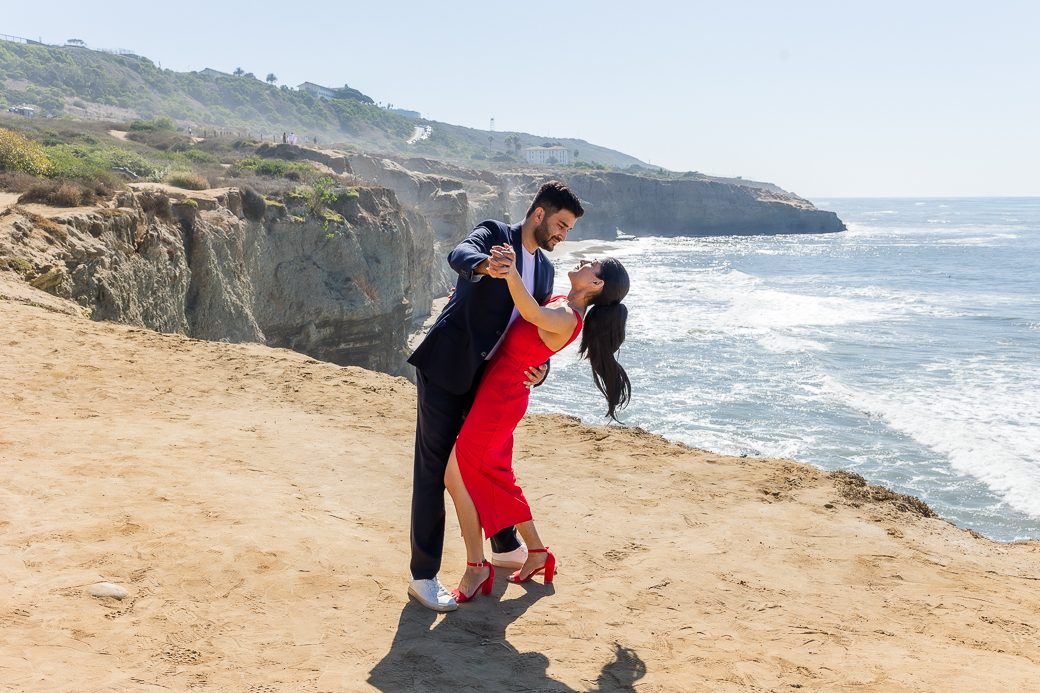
[438, 422]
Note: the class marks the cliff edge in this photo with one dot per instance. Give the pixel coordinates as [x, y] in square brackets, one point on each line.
[196, 264]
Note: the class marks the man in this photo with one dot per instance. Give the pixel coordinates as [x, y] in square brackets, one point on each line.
[452, 357]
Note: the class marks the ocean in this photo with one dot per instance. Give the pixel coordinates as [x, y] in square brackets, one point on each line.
[905, 349]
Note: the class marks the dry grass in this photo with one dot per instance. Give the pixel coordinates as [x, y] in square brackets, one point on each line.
[16, 181]
[63, 192]
[188, 181]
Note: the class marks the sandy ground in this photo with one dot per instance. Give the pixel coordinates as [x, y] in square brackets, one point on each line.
[7, 199]
[254, 503]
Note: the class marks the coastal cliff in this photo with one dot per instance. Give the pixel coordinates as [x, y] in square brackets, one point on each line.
[632, 204]
[202, 268]
[643, 206]
[346, 286]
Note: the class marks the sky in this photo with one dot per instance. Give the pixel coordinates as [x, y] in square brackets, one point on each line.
[825, 99]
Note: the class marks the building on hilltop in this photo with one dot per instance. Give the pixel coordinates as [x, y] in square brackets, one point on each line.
[541, 155]
[317, 91]
[328, 93]
[406, 114]
[214, 73]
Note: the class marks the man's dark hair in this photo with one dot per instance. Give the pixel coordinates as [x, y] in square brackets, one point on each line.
[554, 196]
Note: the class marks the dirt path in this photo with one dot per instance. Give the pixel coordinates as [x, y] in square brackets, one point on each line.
[254, 503]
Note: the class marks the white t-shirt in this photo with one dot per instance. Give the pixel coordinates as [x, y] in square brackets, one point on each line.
[527, 275]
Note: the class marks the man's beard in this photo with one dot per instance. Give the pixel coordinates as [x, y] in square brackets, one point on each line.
[542, 235]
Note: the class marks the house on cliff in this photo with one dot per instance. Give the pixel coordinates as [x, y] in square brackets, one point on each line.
[329, 93]
[542, 155]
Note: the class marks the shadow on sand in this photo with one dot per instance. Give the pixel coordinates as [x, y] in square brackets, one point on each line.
[467, 651]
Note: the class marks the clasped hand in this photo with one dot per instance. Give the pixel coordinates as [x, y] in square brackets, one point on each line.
[501, 262]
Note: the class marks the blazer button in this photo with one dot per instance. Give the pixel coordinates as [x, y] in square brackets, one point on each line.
[483, 354]
[498, 332]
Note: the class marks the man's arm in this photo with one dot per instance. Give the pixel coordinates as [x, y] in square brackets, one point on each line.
[471, 258]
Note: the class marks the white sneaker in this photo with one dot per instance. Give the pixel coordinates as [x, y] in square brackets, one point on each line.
[432, 595]
[512, 559]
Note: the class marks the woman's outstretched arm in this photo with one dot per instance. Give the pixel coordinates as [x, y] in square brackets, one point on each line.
[556, 320]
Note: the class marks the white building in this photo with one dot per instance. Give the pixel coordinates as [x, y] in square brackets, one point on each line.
[318, 91]
[541, 155]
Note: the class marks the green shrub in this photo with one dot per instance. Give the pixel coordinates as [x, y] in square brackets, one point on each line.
[263, 167]
[188, 181]
[19, 153]
[590, 165]
[153, 125]
[87, 162]
[196, 156]
[274, 168]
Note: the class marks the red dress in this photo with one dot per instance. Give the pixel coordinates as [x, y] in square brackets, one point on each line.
[484, 449]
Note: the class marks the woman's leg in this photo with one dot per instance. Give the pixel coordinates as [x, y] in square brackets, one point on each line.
[469, 521]
[533, 541]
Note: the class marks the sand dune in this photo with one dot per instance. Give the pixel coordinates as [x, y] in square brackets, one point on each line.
[254, 503]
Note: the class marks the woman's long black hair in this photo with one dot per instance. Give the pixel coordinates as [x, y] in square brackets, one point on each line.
[603, 334]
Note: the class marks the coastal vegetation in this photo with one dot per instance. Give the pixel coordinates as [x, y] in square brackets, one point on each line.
[22, 154]
[78, 83]
[209, 122]
[57, 79]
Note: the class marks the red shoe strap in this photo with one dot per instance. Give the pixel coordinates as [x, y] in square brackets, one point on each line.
[545, 550]
[484, 562]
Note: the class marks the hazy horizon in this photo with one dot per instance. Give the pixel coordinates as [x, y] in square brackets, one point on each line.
[886, 100]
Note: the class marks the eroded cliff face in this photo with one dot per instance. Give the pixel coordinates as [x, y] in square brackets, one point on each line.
[679, 207]
[346, 294]
[632, 204]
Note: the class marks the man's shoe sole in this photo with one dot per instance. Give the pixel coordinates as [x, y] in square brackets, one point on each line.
[433, 607]
[506, 564]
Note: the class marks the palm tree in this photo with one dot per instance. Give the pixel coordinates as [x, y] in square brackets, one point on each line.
[271, 79]
[238, 72]
[514, 142]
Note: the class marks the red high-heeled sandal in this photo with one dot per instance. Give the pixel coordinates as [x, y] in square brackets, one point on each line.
[548, 570]
[485, 586]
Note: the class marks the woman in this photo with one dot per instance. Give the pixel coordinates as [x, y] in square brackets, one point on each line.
[480, 473]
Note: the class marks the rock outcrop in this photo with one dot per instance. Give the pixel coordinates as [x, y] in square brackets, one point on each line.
[199, 267]
[334, 160]
[688, 207]
[632, 204]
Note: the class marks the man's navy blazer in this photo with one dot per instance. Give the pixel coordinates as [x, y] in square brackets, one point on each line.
[478, 312]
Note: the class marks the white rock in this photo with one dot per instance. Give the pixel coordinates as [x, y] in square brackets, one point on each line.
[107, 589]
